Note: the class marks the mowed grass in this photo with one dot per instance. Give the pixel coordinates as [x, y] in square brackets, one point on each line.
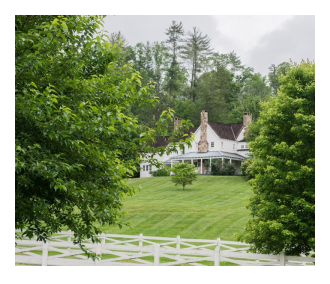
[212, 207]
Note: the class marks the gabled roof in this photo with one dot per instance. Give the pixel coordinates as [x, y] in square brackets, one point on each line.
[163, 140]
[160, 141]
[226, 131]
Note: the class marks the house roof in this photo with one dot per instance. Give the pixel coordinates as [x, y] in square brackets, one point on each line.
[160, 141]
[228, 131]
[163, 140]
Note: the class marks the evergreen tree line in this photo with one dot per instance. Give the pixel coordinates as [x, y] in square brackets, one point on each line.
[190, 76]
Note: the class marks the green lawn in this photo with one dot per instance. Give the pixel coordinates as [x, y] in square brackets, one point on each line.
[212, 207]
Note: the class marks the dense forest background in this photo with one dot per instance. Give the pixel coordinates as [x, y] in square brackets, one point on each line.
[189, 76]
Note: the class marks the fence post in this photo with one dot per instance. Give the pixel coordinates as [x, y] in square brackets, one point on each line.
[178, 246]
[217, 253]
[69, 239]
[140, 241]
[98, 251]
[44, 253]
[282, 258]
[156, 255]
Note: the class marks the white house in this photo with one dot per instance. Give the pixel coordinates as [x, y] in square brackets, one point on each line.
[213, 140]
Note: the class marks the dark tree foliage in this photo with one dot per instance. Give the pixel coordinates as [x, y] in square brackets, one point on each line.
[275, 72]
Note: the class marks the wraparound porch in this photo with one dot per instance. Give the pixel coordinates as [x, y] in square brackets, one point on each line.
[202, 161]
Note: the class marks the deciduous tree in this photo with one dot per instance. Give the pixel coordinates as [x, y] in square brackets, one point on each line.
[184, 174]
[283, 205]
[73, 140]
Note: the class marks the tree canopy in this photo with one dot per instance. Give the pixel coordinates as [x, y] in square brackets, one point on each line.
[76, 141]
[283, 168]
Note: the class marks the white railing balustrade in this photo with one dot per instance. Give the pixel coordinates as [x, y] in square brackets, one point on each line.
[146, 250]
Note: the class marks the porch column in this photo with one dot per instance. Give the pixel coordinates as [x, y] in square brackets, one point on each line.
[182, 161]
[230, 161]
[210, 165]
[201, 166]
[192, 162]
[171, 164]
[222, 159]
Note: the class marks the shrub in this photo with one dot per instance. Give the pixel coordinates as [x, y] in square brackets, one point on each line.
[222, 169]
[163, 172]
[246, 170]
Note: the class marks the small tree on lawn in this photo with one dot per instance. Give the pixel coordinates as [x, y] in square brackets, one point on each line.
[184, 174]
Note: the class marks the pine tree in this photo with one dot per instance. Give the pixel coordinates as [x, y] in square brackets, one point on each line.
[196, 51]
[174, 72]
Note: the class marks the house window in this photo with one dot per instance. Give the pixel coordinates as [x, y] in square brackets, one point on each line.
[144, 167]
[246, 146]
[221, 144]
[233, 146]
[212, 144]
[242, 146]
[150, 169]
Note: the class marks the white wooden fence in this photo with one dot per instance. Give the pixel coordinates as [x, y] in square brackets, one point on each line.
[145, 250]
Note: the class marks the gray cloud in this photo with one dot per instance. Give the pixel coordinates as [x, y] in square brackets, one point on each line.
[294, 39]
[152, 28]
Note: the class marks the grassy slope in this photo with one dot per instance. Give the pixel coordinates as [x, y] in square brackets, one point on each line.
[213, 206]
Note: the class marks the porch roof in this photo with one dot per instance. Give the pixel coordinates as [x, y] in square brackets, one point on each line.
[207, 155]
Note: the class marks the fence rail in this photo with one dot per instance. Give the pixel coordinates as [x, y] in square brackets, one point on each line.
[146, 250]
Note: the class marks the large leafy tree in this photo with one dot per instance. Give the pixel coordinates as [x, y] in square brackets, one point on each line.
[215, 90]
[283, 205]
[74, 141]
[252, 90]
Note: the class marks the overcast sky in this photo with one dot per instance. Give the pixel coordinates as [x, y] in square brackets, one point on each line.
[259, 40]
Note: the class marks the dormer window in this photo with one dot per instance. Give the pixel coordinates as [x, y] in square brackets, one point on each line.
[233, 146]
[242, 146]
[212, 144]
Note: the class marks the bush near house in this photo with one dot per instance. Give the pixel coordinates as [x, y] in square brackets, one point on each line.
[246, 169]
[222, 169]
[163, 172]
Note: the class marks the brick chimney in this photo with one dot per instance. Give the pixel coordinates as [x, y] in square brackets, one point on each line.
[247, 119]
[203, 145]
[177, 122]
